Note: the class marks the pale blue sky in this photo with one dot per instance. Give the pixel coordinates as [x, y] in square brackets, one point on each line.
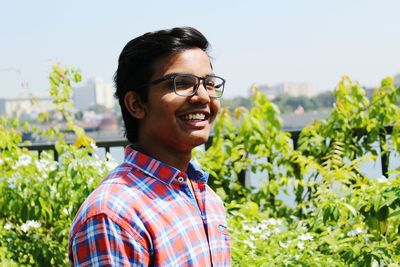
[257, 42]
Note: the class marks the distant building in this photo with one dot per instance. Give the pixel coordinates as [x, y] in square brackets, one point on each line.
[29, 106]
[396, 80]
[94, 92]
[289, 88]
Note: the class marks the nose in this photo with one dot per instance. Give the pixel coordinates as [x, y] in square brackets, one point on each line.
[201, 94]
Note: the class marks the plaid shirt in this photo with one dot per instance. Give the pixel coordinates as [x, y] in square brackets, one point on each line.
[144, 214]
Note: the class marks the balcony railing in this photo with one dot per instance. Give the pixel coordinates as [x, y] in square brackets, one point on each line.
[107, 145]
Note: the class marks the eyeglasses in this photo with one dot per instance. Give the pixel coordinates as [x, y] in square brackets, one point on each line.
[188, 84]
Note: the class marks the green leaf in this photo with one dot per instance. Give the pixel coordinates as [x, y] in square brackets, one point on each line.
[351, 209]
[394, 214]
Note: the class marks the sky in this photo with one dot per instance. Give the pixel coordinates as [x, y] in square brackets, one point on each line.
[252, 42]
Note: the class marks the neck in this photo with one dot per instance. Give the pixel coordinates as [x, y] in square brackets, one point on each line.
[177, 159]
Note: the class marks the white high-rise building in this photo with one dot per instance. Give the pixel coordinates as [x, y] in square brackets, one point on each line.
[29, 105]
[94, 92]
[289, 88]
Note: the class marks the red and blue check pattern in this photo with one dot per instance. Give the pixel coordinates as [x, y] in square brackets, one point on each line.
[144, 214]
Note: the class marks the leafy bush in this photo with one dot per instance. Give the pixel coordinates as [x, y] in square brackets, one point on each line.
[39, 197]
[341, 216]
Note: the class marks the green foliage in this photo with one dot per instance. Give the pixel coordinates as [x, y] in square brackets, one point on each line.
[342, 217]
[241, 143]
[39, 197]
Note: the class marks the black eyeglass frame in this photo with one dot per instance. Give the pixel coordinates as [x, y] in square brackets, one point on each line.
[195, 88]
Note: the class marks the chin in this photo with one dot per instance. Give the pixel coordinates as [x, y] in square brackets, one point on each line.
[198, 139]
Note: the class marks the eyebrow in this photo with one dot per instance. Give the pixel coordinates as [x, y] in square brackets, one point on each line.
[186, 73]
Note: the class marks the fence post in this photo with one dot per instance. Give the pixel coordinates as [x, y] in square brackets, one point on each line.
[384, 154]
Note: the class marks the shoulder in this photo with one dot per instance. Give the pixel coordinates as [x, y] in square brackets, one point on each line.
[116, 197]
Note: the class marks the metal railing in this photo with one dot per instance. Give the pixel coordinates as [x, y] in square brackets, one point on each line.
[295, 134]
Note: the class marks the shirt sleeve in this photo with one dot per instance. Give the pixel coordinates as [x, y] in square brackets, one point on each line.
[102, 242]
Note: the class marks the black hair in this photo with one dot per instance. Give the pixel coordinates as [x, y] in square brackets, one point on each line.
[136, 65]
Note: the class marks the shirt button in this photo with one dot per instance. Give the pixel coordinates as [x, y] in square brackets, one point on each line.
[181, 179]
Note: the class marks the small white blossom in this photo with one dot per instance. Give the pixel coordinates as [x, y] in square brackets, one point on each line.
[356, 231]
[45, 166]
[306, 236]
[274, 222]
[8, 226]
[23, 160]
[65, 211]
[374, 263]
[277, 230]
[300, 245]
[249, 243]
[29, 224]
[252, 238]
[246, 227]
[25, 228]
[93, 145]
[283, 245]
[255, 230]
[12, 183]
[265, 235]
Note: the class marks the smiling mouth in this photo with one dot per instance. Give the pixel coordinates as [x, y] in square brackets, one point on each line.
[194, 117]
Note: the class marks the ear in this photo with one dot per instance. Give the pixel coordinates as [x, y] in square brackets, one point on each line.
[134, 105]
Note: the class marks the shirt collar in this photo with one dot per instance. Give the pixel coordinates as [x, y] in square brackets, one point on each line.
[161, 171]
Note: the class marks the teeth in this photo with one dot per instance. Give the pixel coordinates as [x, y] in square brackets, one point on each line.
[197, 116]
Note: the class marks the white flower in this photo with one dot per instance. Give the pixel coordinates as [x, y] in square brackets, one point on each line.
[65, 211]
[249, 243]
[23, 160]
[277, 230]
[45, 166]
[25, 228]
[246, 227]
[273, 222]
[255, 230]
[252, 238]
[265, 235]
[283, 245]
[1, 161]
[12, 183]
[8, 226]
[356, 231]
[93, 145]
[305, 237]
[29, 224]
[300, 245]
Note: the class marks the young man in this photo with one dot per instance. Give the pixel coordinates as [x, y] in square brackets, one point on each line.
[156, 209]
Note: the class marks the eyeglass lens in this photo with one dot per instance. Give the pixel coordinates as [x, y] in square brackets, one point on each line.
[187, 85]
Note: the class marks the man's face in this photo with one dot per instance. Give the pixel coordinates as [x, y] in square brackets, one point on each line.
[178, 122]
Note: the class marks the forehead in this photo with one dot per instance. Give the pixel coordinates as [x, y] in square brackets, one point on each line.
[194, 61]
